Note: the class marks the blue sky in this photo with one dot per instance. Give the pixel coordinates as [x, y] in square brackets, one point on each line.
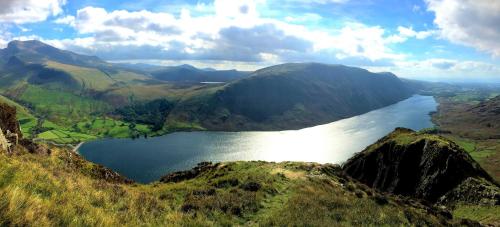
[422, 39]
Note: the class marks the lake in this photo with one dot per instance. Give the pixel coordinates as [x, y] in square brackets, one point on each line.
[146, 160]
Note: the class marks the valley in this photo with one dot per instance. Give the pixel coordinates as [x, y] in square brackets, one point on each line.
[46, 186]
[470, 118]
[208, 113]
[72, 98]
[147, 159]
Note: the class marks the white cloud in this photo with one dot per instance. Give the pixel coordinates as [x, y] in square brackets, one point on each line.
[68, 20]
[3, 43]
[23, 29]
[405, 33]
[357, 40]
[441, 69]
[234, 31]
[29, 11]
[474, 23]
[409, 32]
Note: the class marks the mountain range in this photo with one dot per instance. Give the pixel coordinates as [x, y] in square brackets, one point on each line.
[287, 96]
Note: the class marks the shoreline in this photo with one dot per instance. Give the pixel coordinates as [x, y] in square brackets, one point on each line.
[75, 148]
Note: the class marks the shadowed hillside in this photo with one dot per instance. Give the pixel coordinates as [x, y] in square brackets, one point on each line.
[292, 96]
[187, 73]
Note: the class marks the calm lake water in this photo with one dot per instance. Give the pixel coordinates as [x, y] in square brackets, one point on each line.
[146, 160]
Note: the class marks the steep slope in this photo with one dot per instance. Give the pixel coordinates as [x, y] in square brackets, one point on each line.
[291, 96]
[37, 63]
[188, 73]
[57, 187]
[34, 51]
[423, 166]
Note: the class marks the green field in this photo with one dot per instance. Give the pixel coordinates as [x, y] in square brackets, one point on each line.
[92, 129]
[107, 127]
[88, 129]
[62, 107]
[64, 137]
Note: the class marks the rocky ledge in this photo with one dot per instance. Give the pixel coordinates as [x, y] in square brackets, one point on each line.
[423, 166]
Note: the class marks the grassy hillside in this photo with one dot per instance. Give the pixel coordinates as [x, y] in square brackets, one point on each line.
[64, 90]
[471, 120]
[88, 78]
[292, 96]
[62, 189]
[56, 128]
[35, 51]
[61, 107]
[56, 187]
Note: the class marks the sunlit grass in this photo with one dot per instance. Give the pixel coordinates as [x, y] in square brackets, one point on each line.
[62, 190]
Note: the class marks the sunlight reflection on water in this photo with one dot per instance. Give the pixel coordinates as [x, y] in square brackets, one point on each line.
[145, 160]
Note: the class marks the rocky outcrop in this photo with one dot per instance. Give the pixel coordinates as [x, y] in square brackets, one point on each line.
[189, 174]
[10, 132]
[418, 165]
[8, 120]
[473, 191]
[34, 148]
[4, 143]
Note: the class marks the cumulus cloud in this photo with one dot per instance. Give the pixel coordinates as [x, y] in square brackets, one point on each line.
[474, 23]
[234, 31]
[67, 20]
[3, 42]
[29, 11]
[405, 33]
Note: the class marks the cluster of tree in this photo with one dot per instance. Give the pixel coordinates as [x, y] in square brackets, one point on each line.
[153, 113]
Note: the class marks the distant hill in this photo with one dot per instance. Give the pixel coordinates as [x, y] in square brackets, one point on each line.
[40, 64]
[291, 96]
[474, 120]
[34, 51]
[188, 73]
[287, 96]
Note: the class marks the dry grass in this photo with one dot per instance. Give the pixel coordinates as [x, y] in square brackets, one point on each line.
[63, 190]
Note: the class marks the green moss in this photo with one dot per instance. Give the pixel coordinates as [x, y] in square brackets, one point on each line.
[483, 214]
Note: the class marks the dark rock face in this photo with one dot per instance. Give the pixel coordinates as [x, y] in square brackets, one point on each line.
[8, 120]
[425, 168]
[34, 148]
[188, 174]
